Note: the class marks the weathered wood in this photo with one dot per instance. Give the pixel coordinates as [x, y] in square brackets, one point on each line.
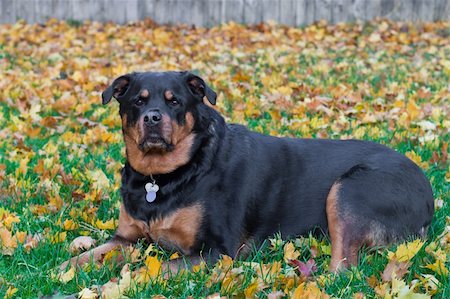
[213, 12]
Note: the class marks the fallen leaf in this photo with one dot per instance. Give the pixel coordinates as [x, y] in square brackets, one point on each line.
[153, 265]
[395, 269]
[58, 237]
[308, 291]
[67, 276]
[87, 294]
[305, 269]
[174, 256]
[110, 290]
[439, 268]
[251, 290]
[289, 252]
[10, 292]
[109, 224]
[406, 251]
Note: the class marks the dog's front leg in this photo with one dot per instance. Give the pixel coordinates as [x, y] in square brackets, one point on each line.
[95, 254]
[128, 232]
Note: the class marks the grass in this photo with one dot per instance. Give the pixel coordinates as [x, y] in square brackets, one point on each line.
[367, 81]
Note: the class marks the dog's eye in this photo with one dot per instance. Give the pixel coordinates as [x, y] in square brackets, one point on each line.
[174, 102]
[139, 102]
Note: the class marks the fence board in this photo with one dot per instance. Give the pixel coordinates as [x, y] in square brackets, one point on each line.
[212, 12]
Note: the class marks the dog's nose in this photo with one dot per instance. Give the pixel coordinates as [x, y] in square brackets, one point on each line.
[152, 118]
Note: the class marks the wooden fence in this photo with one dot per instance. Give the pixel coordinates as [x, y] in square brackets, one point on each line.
[212, 12]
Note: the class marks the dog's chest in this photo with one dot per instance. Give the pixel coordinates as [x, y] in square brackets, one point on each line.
[177, 230]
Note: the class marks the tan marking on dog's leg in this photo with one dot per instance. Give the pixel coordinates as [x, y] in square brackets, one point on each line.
[131, 229]
[351, 252]
[335, 228]
[178, 230]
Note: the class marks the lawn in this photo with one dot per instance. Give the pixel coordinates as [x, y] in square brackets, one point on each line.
[61, 151]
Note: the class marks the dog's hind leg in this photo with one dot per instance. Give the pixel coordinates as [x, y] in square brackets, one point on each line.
[344, 245]
[375, 207]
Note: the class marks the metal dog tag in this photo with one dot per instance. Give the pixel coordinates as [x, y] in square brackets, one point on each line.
[151, 189]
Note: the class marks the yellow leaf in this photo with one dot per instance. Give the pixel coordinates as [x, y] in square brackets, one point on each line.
[251, 290]
[10, 219]
[309, 291]
[67, 276]
[174, 256]
[10, 292]
[55, 203]
[198, 268]
[285, 90]
[58, 237]
[412, 109]
[225, 263]
[402, 291]
[23, 167]
[20, 236]
[8, 243]
[417, 159]
[406, 251]
[69, 224]
[430, 283]
[153, 266]
[78, 77]
[289, 252]
[374, 38]
[110, 224]
[99, 179]
[149, 249]
[438, 267]
[111, 256]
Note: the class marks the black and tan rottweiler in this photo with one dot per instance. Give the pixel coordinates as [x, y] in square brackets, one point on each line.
[198, 185]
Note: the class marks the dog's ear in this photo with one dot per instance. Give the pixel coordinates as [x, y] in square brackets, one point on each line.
[199, 87]
[118, 88]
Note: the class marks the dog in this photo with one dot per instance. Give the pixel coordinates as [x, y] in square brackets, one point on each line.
[195, 184]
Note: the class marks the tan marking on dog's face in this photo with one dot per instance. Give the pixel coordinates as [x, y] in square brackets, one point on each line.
[181, 132]
[145, 93]
[131, 134]
[158, 162]
[179, 229]
[168, 95]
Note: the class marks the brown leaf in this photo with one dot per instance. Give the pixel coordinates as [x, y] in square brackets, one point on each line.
[305, 269]
[395, 269]
[372, 281]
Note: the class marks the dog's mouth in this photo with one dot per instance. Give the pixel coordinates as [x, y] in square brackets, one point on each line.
[154, 142]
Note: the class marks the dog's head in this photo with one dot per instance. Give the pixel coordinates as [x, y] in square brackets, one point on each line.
[158, 112]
